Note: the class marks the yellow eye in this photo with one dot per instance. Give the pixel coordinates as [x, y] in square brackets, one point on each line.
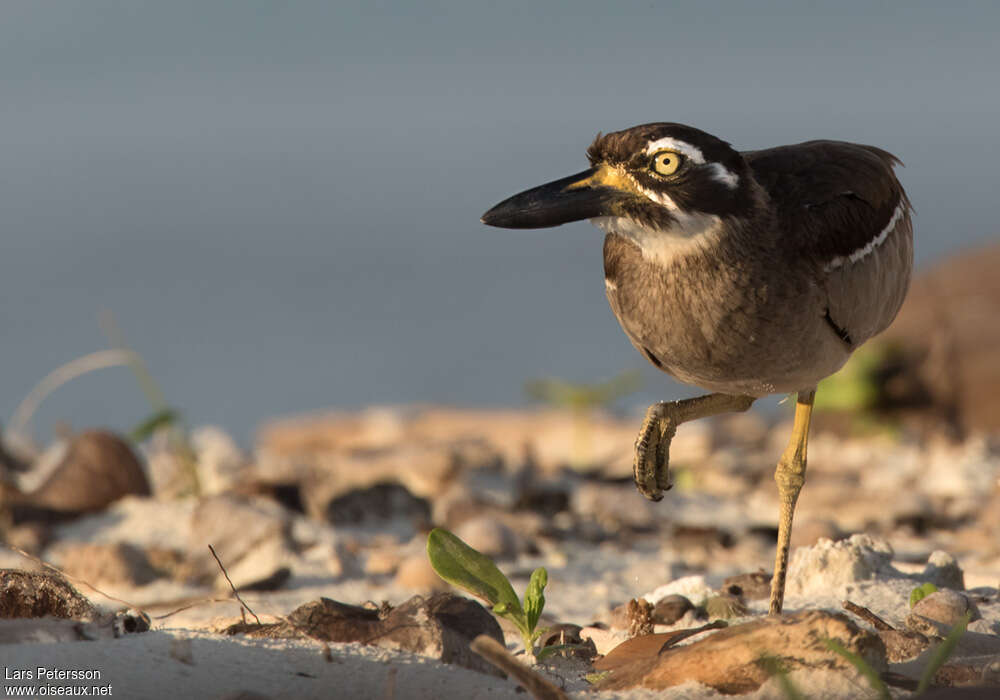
[666, 162]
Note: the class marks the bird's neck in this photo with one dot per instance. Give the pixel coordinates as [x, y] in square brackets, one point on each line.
[691, 234]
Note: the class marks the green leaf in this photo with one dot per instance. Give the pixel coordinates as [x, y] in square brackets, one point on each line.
[464, 567]
[878, 685]
[534, 597]
[921, 592]
[160, 419]
[945, 649]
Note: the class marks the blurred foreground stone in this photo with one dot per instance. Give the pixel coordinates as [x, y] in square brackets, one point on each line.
[734, 660]
[441, 626]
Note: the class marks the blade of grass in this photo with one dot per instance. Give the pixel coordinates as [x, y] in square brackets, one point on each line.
[773, 665]
[944, 650]
[862, 666]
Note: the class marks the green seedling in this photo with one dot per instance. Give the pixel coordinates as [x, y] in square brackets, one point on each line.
[921, 592]
[464, 567]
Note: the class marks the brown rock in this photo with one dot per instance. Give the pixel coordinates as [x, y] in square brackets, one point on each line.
[902, 645]
[670, 609]
[417, 574]
[96, 469]
[753, 586]
[119, 564]
[491, 536]
[942, 368]
[812, 530]
[730, 660]
[938, 612]
[441, 626]
[41, 594]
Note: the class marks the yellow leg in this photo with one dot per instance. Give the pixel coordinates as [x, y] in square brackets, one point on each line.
[652, 446]
[790, 475]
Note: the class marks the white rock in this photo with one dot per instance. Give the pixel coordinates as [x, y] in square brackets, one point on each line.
[694, 588]
[829, 565]
[220, 461]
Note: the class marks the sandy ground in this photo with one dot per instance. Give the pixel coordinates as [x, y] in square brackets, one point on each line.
[184, 655]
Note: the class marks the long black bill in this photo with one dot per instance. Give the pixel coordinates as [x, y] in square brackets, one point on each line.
[553, 204]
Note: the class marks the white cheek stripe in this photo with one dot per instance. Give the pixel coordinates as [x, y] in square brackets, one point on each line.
[872, 244]
[673, 144]
[727, 177]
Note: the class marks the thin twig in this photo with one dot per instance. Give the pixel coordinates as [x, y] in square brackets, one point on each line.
[235, 592]
[681, 635]
[194, 604]
[497, 654]
[868, 616]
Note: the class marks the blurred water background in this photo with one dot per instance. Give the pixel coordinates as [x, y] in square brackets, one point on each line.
[279, 202]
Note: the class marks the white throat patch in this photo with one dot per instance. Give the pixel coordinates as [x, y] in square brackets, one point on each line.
[691, 233]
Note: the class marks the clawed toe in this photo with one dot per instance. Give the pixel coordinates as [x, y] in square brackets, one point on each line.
[652, 458]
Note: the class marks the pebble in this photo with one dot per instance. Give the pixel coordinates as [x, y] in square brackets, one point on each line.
[670, 609]
[118, 564]
[416, 573]
[943, 571]
[491, 536]
[938, 612]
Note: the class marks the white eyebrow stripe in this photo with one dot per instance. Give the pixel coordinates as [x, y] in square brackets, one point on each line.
[673, 144]
[873, 243]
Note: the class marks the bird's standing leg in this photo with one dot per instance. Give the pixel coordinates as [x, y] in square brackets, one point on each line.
[790, 475]
[652, 448]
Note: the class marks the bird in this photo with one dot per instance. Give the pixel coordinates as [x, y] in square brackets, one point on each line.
[743, 273]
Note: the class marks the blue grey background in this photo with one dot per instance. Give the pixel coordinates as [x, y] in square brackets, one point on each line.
[279, 202]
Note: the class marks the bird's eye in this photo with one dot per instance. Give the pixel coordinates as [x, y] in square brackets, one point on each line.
[666, 162]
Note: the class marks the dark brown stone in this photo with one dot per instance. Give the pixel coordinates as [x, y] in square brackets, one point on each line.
[98, 468]
[41, 594]
[670, 609]
[441, 626]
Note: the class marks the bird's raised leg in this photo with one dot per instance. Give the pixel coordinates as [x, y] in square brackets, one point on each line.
[790, 475]
[652, 448]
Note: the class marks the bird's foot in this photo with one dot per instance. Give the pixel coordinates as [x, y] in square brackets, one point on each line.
[651, 467]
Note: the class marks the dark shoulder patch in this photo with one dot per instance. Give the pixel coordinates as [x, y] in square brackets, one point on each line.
[836, 197]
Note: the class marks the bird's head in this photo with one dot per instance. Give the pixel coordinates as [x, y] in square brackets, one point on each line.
[661, 177]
